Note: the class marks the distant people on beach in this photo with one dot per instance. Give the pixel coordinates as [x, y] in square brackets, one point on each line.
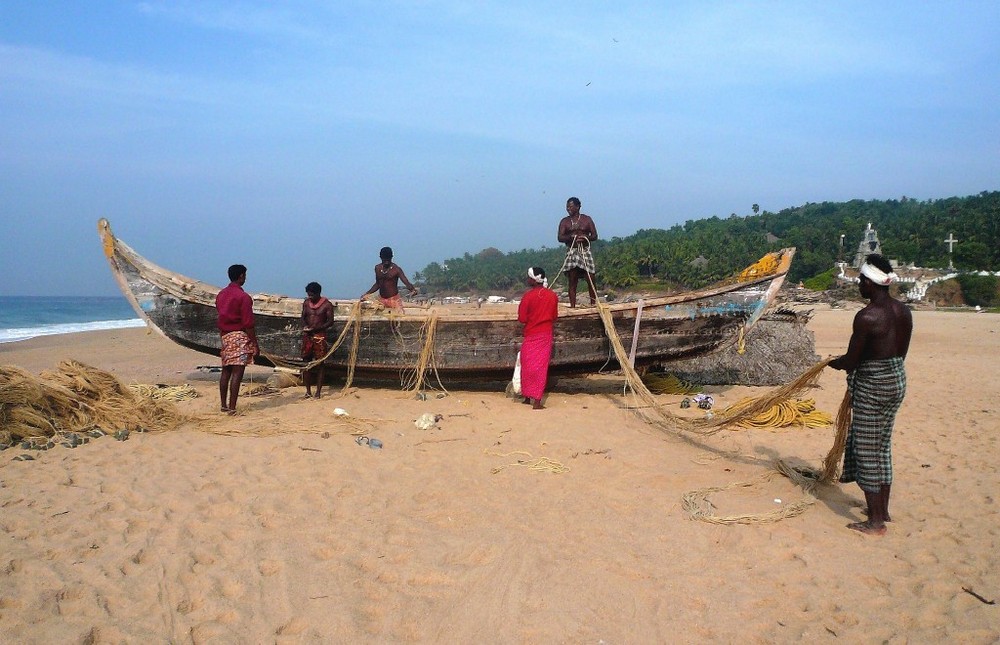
[239, 337]
[387, 277]
[876, 380]
[577, 231]
[537, 311]
[317, 318]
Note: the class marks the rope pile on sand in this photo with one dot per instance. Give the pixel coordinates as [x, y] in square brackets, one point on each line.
[790, 412]
[75, 398]
[165, 392]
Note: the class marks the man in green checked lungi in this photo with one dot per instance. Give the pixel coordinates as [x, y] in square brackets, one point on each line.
[877, 383]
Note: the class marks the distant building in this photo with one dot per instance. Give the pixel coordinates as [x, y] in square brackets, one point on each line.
[869, 244]
[915, 279]
[699, 261]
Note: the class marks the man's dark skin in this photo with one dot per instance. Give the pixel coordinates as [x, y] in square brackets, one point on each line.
[881, 330]
[316, 319]
[577, 228]
[232, 375]
[387, 277]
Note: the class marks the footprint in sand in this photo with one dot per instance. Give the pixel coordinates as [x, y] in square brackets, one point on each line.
[269, 567]
[294, 627]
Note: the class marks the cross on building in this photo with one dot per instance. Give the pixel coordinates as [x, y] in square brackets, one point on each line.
[951, 241]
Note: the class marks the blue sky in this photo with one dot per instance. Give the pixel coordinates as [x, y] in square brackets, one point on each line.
[300, 137]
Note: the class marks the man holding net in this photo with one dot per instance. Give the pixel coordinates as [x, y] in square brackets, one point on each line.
[876, 381]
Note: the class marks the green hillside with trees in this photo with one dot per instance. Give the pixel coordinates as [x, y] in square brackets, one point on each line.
[703, 251]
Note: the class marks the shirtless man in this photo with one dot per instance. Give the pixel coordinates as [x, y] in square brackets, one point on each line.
[387, 277]
[317, 318]
[877, 383]
[577, 231]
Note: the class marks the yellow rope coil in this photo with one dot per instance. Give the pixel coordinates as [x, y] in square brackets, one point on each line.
[669, 384]
[784, 413]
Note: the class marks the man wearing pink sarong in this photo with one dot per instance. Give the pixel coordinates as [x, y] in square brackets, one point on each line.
[538, 310]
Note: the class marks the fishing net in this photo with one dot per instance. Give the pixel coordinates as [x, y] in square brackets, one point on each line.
[75, 398]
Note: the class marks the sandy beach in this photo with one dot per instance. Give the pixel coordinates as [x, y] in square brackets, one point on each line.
[276, 525]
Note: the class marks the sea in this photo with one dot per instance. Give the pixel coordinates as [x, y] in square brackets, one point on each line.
[23, 317]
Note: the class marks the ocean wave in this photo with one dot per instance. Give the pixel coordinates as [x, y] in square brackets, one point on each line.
[24, 333]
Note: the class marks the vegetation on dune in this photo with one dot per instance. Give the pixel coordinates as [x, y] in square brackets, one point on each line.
[700, 252]
[981, 290]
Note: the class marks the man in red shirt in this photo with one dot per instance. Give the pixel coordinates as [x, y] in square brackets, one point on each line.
[239, 338]
[538, 310]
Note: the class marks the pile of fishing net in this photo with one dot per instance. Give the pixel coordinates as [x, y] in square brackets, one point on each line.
[75, 398]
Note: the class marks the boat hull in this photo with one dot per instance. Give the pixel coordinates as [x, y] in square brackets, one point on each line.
[472, 343]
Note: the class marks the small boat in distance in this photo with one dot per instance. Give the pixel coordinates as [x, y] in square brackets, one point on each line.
[467, 343]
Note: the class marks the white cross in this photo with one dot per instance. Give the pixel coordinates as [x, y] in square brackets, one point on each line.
[951, 244]
[951, 241]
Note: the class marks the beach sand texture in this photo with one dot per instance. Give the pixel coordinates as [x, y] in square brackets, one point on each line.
[282, 534]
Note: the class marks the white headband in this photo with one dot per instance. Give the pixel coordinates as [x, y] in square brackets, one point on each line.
[876, 275]
[540, 280]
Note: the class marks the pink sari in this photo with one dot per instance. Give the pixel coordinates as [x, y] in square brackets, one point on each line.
[536, 350]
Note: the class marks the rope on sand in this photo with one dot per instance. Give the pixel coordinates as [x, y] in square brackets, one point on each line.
[657, 416]
[542, 464]
[698, 507]
[165, 392]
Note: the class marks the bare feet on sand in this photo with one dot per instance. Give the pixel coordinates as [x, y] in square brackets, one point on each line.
[867, 528]
[536, 404]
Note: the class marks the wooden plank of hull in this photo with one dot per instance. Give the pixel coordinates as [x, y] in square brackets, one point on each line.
[479, 345]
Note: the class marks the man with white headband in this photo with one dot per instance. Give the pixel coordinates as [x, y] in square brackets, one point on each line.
[876, 381]
[538, 311]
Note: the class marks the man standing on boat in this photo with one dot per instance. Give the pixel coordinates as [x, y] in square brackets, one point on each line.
[239, 337]
[387, 277]
[877, 383]
[538, 310]
[317, 318]
[577, 231]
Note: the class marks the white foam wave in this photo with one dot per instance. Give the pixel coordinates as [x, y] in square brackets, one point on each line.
[24, 333]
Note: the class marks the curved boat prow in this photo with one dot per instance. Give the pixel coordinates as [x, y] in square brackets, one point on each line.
[110, 245]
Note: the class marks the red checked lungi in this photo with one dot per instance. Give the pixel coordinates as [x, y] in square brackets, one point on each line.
[313, 346]
[395, 302]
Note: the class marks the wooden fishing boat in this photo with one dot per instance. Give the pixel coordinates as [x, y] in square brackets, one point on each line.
[473, 342]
